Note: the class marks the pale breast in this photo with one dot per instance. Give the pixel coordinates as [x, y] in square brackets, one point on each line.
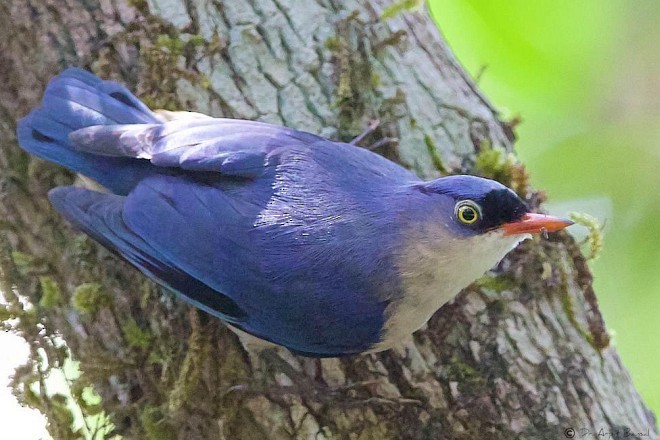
[434, 266]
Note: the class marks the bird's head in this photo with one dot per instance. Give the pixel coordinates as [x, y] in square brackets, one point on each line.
[461, 228]
[470, 224]
[475, 206]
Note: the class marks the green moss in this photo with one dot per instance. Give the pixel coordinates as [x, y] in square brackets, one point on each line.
[28, 266]
[233, 370]
[375, 80]
[61, 412]
[355, 90]
[196, 40]
[166, 55]
[468, 378]
[185, 384]
[88, 399]
[400, 6]
[204, 82]
[83, 254]
[51, 295]
[497, 283]
[46, 354]
[164, 63]
[5, 313]
[135, 336]
[331, 44]
[433, 152]
[18, 168]
[595, 237]
[22, 260]
[154, 424]
[345, 89]
[498, 164]
[358, 99]
[162, 66]
[174, 44]
[89, 298]
[569, 309]
[495, 163]
[188, 378]
[29, 397]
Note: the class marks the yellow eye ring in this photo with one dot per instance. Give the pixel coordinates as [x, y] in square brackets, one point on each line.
[468, 212]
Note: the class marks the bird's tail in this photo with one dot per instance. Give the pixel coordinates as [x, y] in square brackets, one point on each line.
[77, 99]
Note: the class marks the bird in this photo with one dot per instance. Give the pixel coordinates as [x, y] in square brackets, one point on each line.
[319, 246]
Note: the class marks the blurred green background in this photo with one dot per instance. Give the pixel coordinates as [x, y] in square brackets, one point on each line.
[585, 78]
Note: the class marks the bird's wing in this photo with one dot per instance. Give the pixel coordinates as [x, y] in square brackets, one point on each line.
[102, 216]
[229, 146]
[79, 92]
[243, 251]
[232, 147]
[197, 226]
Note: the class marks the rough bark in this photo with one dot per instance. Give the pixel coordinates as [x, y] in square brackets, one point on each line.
[520, 354]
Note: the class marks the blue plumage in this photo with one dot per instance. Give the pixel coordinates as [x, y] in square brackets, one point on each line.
[294, 238]
[77, 99]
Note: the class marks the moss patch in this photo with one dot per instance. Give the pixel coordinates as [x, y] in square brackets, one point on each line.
[498, 164]
[497, 283]
[155, 425]
[433, 152]
[469, 379]
[595, 238]
[399, 7]
[135, 336]
[51, 295]
[89, 298]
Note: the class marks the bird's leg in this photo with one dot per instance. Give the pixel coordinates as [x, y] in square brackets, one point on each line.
[382, 142]
[373, 125]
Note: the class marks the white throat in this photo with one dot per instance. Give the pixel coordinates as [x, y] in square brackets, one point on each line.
[433, 269]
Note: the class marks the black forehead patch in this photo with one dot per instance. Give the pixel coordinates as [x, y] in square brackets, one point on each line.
[498, 203]
[499, 206]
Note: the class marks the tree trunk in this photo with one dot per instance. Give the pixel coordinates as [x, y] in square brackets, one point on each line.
[522, 353]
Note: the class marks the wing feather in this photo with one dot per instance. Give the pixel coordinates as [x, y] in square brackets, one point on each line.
[229, 146]
[101, 216]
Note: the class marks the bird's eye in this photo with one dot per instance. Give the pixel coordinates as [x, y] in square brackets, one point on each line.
[467, 212]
